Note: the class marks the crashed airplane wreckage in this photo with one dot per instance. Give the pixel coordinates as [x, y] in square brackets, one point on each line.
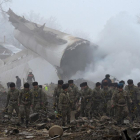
[66, 53]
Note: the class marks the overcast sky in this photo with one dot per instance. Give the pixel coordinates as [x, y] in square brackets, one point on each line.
[89, 16]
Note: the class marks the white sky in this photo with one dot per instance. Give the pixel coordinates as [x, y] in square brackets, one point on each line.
[88, 16]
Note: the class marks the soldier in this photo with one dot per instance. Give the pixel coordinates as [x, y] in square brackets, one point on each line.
[56, 94]
[12, 100]
[18, 82]
[107, 79]
[133, 93]
[73, 94]
[45, 99]
[64, 104]
[25, 101]
[107, 94]
[86, 98]
[38, 97]
[119, 101]
[30, 78]
[82, 100]
[97, 106]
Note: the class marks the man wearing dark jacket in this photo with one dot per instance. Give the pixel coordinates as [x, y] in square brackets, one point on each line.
[107, 79]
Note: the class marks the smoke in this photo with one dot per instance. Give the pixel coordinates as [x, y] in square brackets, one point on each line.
[119, 50]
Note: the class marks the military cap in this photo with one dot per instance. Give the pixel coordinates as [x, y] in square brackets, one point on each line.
[120, 85]
[98, 84]
[60, 82]
[70, 81]
[107, 76]
[65, 86]
[12, 84]
[16, 76]
[84, 84]
[130, 81]
[40, 86]
[35, 83]
[138, 84]
[26, 85]
[81, 85]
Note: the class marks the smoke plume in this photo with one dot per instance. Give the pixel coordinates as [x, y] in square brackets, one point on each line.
[119, 50]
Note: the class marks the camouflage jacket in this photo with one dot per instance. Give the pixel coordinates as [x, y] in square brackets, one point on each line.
[107, 94]
[73, 93]
[97, 95]
[133, 92]
[120, 98]
[64, 100]
[26, 97]
[12, 97]
[87, 95]
[38, 95]
[56, 94]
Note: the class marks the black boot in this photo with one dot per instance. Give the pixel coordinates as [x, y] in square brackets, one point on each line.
[26, 123]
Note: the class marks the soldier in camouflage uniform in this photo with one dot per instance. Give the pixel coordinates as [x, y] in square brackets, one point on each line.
[73, 94]
[45, 98]
[133, 92]
[38, 97]
[107, 94]
[119, 100]
[87, 99]
[12, 100]
[97, 106]
[64, 104]
[26, 100]
[56, 94]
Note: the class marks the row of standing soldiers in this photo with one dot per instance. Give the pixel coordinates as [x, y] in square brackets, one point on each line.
[113, 100]
[25, 100]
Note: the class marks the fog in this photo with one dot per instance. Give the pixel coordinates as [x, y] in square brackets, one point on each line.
[118, 52]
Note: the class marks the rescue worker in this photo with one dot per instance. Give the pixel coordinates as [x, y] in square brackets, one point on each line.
[56, 94]
[25, 102]
[87, 99]
[18, 82]
[12, 100]
[38, 97]
[119, 100]
[64, 104]
[73, 94]
[30, 79]
[107, 79]
[97, 106]
[133, 93]
[107, 94]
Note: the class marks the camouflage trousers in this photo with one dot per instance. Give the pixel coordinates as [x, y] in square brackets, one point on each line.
[36, 106]
[11, 107]
[66, 112]
[121, 112]
[88, 109]
[24, 110]
[107, 108]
